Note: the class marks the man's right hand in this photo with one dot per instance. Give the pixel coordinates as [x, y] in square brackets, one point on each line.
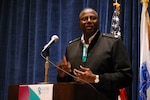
[65, 66]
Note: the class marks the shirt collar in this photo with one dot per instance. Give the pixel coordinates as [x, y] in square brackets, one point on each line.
[90, 39]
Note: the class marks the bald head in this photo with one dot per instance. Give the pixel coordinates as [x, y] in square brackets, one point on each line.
[88, 10]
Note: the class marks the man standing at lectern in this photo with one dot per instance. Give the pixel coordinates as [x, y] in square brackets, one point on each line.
[96, 58]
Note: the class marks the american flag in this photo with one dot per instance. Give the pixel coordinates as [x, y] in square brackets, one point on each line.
[115, 30]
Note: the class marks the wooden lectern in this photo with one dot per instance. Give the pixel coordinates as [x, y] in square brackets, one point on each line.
[65, 91]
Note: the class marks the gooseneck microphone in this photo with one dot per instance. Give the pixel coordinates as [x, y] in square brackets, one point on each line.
[54, 38]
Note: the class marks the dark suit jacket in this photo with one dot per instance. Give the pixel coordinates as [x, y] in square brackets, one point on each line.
[107, 58]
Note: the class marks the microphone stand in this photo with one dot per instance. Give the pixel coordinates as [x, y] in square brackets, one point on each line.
[47, 65]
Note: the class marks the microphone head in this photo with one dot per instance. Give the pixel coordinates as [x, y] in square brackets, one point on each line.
[55, 38]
